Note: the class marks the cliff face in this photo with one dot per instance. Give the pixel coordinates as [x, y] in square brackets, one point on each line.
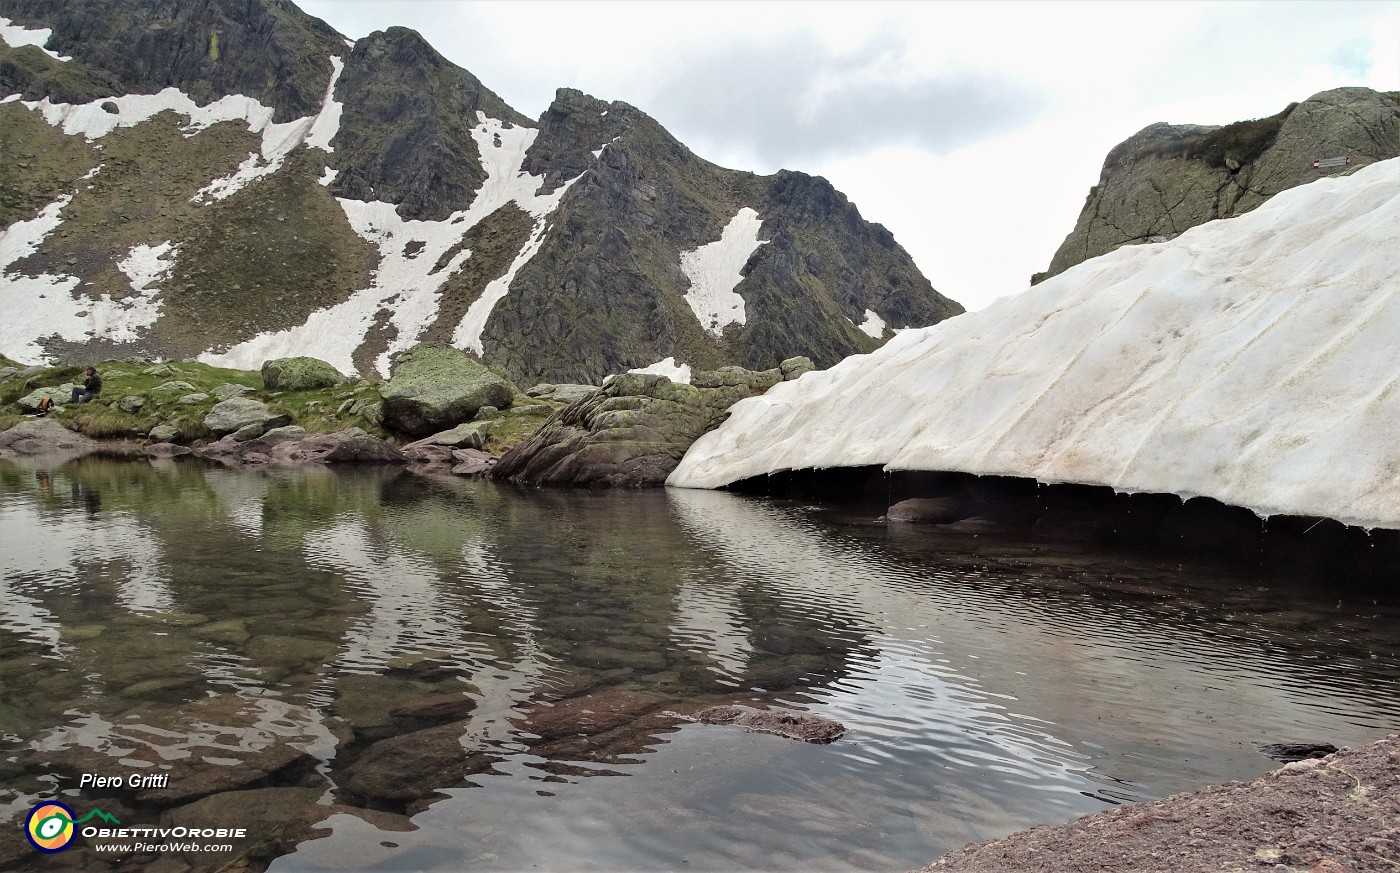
[235, 181]
[1167, 178]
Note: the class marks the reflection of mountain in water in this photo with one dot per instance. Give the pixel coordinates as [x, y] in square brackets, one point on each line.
[364, 643]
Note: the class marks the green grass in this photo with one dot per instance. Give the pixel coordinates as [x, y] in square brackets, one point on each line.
[104, 422]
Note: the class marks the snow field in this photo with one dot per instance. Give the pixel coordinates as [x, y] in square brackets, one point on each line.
[715, 270]
[1251, 360]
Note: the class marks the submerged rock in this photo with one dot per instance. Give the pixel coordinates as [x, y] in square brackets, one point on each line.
[783, 722]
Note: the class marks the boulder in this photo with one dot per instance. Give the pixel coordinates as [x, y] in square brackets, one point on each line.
[487, 413]
[131, 404]
[7, 372]
[193, 399]
[247, 432]
[230, 415]
[167, 392]
[930, 510]
[632, 432]
[300, 374]
[164, 433]
[435, 387]
[471, 435]
[230, 390]
[349, 446]
[794, 367]
[60, 395]
[160, 371]
[287, 433]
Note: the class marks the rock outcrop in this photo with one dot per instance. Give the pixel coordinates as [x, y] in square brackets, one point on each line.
[634, 431]
[1168, 178]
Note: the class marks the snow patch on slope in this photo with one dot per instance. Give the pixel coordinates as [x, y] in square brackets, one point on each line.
[316, 131]
[406, 287]
[38, 307]
[1251, 360]
[145, 265]
[93, 121]
[16, 35]
[669, 368]
[715, 269]
[873, 326]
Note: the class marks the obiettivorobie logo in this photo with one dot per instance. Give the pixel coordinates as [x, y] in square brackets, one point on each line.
[50, 826]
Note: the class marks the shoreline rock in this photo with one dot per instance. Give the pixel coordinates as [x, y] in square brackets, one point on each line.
[1323, 815]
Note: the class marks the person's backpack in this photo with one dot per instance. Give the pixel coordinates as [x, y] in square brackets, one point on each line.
[45, 404]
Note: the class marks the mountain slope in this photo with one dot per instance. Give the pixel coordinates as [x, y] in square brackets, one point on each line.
[1250, 360]
[1166, 179]
[244, 184]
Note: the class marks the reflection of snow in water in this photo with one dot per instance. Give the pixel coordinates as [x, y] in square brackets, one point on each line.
[58, 552]
[707, 621]
[242, 496]
[410, 613]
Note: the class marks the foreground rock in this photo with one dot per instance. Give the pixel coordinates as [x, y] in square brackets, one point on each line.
[1326, 815]
[434, 388]
[44, 436]
[634, 431]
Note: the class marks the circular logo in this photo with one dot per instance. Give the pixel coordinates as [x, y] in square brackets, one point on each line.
[49, 826]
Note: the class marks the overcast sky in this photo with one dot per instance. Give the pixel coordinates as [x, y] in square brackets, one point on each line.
[972, 131]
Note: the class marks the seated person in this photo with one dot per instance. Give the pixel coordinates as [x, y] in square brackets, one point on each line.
[92, 386]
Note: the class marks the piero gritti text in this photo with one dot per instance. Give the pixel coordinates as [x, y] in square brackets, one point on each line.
[133, 781]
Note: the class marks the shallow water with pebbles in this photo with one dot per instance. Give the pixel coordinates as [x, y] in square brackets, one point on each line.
[377, 670]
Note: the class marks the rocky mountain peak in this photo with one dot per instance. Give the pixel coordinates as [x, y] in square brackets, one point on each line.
[267, 50]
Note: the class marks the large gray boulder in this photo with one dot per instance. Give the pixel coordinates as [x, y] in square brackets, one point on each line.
[60, 394]
[237, 413]
[1166, 179]
[434, 388]
[300, 374]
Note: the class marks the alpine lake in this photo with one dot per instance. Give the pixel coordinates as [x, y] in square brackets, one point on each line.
[378, 670]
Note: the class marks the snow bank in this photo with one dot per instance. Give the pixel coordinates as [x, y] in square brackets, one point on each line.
[408, 282]
[715, 269]
[16, 35]
[1252, 360]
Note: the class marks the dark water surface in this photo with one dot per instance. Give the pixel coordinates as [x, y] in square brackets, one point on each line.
[488, 678]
